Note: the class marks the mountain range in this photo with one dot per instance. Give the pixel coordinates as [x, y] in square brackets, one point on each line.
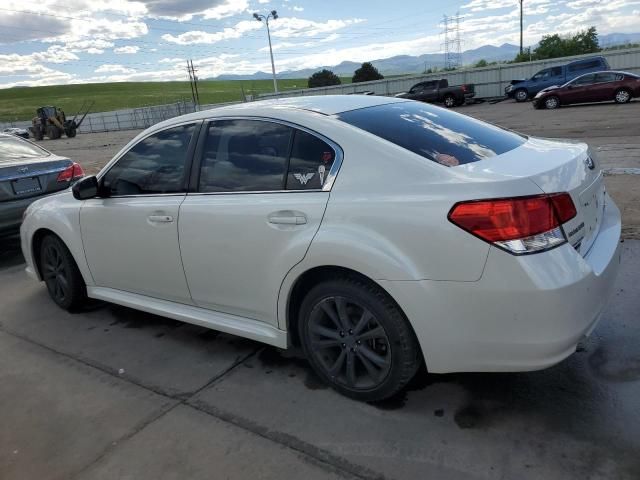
[403, 64]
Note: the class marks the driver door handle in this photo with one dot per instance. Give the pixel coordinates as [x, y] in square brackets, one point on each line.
[160, 218]
[287, 217]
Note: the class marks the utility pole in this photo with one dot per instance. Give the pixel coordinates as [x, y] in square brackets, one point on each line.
[193, 93]
[193, 83]
[521, 49]
[271, 15]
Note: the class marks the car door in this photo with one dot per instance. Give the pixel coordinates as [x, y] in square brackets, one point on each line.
[416, 92]
[430, 91]
[262, 189]
[604, 86]
[578, 90]
[130, 233]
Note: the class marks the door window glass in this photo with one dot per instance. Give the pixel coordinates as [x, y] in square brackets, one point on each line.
[154, 165]
[311, 160]
[556, 71]
[541, 75]
[605, 77]
[244, 155]
[584, 80]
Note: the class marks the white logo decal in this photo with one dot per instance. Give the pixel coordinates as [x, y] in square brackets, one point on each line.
[321, 172]
[303, 179]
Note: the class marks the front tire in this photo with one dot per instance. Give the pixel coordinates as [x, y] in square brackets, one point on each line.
[357, 339]
[521, 95]
[622, 96]
[61, 274]
[551, 103]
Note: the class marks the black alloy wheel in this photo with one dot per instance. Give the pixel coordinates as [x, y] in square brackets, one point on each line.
[349, 343]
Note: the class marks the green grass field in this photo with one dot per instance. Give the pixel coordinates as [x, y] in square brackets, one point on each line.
[21, 103]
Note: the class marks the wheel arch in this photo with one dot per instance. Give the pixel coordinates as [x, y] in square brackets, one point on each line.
[310, 277]
[36, 242]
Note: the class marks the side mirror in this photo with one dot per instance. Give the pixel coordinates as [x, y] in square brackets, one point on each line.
[85, 188]
[569, 87]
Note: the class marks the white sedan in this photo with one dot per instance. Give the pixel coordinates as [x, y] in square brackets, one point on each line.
[376, 233]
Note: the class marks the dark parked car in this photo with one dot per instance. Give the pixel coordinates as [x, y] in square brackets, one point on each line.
[522, 90]
[29, 172]
[608, 86]
[18, 132]
[439, 91]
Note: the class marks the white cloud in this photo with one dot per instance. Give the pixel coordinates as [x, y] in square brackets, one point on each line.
[128, 49]
[297, 8]
[171, 60]
[113, 68]
[200, 37]
[298, 27]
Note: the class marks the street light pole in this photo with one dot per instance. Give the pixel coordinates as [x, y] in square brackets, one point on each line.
[271, 15]
[521, 49]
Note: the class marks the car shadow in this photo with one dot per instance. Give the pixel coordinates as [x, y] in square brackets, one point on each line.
[10, 251]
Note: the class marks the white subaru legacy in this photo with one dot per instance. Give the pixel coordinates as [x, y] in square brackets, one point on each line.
[375, 233]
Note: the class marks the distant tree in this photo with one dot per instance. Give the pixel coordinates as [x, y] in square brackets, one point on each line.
[324, 78]
[366, 73]
[480, 63]
[554, 46]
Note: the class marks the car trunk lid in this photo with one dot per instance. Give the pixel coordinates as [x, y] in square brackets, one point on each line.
[27, 178]
[555, 167]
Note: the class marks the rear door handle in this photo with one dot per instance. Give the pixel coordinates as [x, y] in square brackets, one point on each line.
[287, 218]
[160, 218]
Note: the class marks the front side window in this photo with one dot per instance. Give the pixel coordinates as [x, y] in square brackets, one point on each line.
[584, 80]
[155, 165]
[13, 148]
[434, 133]
[245, 155]
[556, 71]
[310, 163]
[541, 75]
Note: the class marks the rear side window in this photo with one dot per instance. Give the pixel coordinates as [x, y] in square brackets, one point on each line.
[605, 77]
[154, 165]
[585, 79]
[245, 155]
[434, 133]
[12, 148]
[311, 160]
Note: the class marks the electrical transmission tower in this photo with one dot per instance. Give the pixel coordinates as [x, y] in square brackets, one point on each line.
[452, 42]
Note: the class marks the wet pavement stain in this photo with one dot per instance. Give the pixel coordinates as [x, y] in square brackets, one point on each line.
[273, 358]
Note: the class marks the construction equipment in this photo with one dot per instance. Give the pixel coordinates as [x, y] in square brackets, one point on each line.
[52, 122]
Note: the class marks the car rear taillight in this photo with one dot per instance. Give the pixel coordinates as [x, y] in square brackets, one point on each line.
[464, 88]
[72, 172]
[518, 225]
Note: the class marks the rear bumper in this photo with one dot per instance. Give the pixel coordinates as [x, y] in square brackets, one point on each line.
[11, 214]
[525, 313]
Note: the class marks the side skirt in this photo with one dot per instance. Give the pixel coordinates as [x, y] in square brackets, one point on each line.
[243, 327]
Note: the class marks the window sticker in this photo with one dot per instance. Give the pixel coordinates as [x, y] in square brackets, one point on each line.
[303, 178]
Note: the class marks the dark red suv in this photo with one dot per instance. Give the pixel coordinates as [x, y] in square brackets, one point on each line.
[619, 87]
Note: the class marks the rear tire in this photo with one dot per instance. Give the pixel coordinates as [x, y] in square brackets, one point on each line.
[357, 340]
[71, 132]
[622, 96]
[449, 101]
[53, 132]
[61, 274]
[521, 95]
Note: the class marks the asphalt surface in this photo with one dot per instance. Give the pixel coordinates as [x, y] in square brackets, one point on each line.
[112, 393]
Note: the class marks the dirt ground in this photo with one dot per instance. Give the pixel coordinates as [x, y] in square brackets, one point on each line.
[612, 130]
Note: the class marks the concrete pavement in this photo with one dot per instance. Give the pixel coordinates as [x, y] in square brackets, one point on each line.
[114, 393]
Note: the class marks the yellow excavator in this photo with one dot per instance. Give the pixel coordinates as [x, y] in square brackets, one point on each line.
[52, 122]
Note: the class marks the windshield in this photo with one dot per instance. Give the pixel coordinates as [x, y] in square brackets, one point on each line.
[13, 148]
[434, 133]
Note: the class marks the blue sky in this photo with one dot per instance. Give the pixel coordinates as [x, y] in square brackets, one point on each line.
[75, 41]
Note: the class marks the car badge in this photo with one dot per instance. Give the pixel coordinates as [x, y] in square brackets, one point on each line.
[590, 164]
[23, 169]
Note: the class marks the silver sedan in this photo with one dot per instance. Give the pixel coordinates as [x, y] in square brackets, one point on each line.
[28, 172]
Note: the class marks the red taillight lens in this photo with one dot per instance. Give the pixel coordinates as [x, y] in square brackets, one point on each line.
[71, 173]
[464, 88]
[519, 224]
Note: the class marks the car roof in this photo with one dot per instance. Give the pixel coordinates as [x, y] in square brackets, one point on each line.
[321, 104]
